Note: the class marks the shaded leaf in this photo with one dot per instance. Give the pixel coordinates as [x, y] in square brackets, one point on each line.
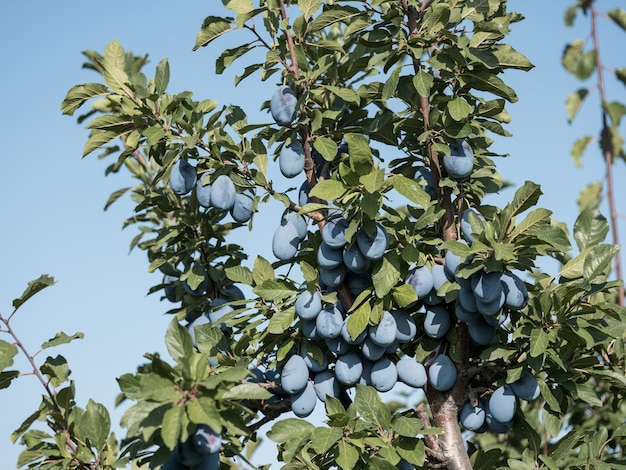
[34, 286]
[61, 338]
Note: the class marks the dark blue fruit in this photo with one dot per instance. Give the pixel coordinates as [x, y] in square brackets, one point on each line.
[291, 159]
[348, 368]
[442, 373]
[526, 387]
[182, 177]
[298, 221]
[354, 260]
[384, 333]
[283, 105]
[384, 374]
[303, 403]
[502, 404]
[422, 281]
[308, 305]
[411, 372]
[460, 162]
[486, 286]
[466, 226]
[203, 190]
[514, 290]
[285, 242]
[373, 246]
[480, 331]
[372, 351]
[294, 375]
[436, 321]
[326, 384]
[329, 322]
[242, 208]
[223, 193]
[205, 440]
[329, 257]
[472, 417]
[333, 277]
[209, 462]
[406, 328]
[334, 231]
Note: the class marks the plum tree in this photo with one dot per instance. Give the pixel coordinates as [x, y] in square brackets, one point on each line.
[402, 256]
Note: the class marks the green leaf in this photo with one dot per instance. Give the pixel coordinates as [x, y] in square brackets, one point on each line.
[78, 94]
[61, 338]
[115, 196]
[309, 7]
[598, 263]
[162, 76]
[360, 153]
[239, 274]
[412, 191]
[574, 102]
[329, 17]
[286, 429]
[326, 147]
[525, 197]
[7, 352]
[386, 275]
[359, 319]
[508, 57]
[578, 63]
[573, 269]
[324, 438]
[273, 289]
[33, 288]
[539, 342]
[212, 28]
[371, 408]
[114, 68]
[459, 109]
[262, 270]
[590, 228]
[346, 94]
[281, 321]
[534, 218]
[406, 426]
[203, 410]
[247, 391]
[486, 81]
[6, 377]
[57, 369]
[389, 89]
[95, 424]
[422, 81]
[172, 425]
[619, 17]
[373, 181]
[328, 190]
[435, 19]
[579, 147]
[347, 456]
[404, 295]
[178, 341]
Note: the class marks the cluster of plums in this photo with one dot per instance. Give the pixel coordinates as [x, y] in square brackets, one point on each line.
[201, 451]
[220, 194]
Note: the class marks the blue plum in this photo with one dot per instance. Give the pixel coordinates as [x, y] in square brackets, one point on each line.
[298, 221]
[329, 257]
[294, 375]
[203, 190]
[526, 387]
[467, 300]
[308, 305]
[283, 105]
[333, 277]
[223, 193]
[411, 372]
[371, 350]
[442, 373]
[439, 276]
[384, 333]
[384, 374]
[358, 282]
[334, 231]
[209, 462]
[421, 279]
[514, 290]
[437, 321]
[425, 179]
[182, 177]
[206, 440]
[329, 322]
[348, 368]
[312, 363]
[486, 286]
[462, 314]
[452, 263]
[502, 404]
[480, 331]
[346, 335]
[303, 193]
[373, 246]
[354, 260]
[460, 162]
[326, 384]
[285, 242]
[303, 403]
[472, 417]
[309, 329]
[242, 208]
[291, 159]
[405, 326]
[337, 345]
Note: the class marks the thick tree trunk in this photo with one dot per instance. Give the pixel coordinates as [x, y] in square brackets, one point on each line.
[451, 445]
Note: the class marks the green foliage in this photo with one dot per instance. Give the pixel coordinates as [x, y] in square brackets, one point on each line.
[413, 77]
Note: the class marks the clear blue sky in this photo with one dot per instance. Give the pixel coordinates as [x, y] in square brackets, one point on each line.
[52, 200]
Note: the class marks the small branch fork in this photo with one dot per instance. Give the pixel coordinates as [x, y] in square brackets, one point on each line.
[64, 428]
